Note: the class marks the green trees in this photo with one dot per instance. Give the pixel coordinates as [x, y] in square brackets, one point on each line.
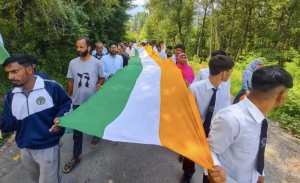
[48, 29]
[237, 26]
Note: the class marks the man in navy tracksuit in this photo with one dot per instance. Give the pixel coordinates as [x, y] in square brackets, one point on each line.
[30, 109]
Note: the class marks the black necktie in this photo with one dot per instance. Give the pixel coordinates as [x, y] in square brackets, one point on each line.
[262, 145]
[210, 112]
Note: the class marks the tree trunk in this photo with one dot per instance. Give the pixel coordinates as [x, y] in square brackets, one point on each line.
[202, 32]
[215, 24]
[231, 30]
[211, 36]
[288, 23]
[179, 22]
[279, 28]
[244, 35]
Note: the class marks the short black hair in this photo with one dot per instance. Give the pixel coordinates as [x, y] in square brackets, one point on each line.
[169, 47]
[22, 59]
[219, 64]
[158, 46]
[113, 43]
[270, 77]
[169, 55]
[34, 60]
[87, 41]
[218, 52]
[179, 46]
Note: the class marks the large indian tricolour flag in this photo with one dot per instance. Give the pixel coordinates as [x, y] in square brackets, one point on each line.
[3, 53]
[147, 102]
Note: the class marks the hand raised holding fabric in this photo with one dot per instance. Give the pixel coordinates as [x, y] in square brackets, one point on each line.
[55, 128]
[217, 175]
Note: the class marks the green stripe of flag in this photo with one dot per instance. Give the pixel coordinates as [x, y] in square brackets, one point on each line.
[3, 53]
[100, 110]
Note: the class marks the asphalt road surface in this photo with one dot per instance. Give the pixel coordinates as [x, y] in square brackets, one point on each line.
[110, 162]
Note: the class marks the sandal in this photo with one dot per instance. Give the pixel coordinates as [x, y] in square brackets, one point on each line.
[71, 164]
[95, 142]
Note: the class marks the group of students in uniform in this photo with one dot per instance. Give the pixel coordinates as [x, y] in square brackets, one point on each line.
[236, 133]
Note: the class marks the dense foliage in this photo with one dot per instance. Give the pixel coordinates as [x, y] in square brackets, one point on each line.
[48, 29]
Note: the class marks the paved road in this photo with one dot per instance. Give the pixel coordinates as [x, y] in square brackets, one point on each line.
[109, 163]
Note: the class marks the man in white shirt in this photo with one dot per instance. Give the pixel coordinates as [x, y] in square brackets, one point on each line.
[130, 50]
[112, 62]
[211, 95]
[204, 73]
[160, 52]
[99, 49]
[178, 49]
[239, 133]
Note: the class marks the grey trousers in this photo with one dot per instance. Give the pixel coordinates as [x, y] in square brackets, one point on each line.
[42, 164]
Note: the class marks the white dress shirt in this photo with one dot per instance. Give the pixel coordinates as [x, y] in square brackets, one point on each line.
[162, 54]
[203, 91]
[174, 58]
[234, 141]
[130, 52]
[204, 73]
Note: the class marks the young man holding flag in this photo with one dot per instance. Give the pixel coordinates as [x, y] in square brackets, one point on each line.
[30, 109]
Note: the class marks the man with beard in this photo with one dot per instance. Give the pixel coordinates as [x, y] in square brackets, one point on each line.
[130, 50]
[112, 62]
[86, 76]
[99, 52]
[120, 52]
[31, 109]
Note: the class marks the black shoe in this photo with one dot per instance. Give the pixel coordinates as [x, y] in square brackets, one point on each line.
[181, 158]
[185, 179]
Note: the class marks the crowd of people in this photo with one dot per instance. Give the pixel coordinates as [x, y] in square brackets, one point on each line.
[236, 133]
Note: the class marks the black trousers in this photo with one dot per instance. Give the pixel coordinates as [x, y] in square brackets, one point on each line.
[188, 166]
[78, 140]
